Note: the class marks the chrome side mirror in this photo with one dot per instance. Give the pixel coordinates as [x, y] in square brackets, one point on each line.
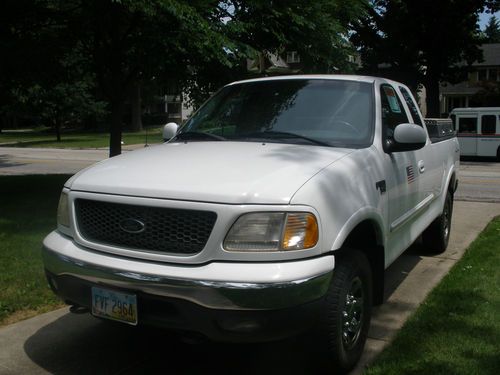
[408, 137]
[170, 130]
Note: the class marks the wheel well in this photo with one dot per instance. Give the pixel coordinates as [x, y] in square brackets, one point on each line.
[452, 184]
[366, 237]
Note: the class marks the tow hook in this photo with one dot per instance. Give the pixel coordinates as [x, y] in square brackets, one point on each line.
[77, 309]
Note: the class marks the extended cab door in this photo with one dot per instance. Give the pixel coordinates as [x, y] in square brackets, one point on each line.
[430, 164]
[402, 166]
[404, 174]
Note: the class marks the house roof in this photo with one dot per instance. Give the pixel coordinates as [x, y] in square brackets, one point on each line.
[491, 55]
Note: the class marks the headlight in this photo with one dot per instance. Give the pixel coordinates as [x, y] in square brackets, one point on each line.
[273, 231]
[63, 210]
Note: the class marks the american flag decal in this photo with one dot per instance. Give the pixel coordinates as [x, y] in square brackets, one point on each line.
[409, 174]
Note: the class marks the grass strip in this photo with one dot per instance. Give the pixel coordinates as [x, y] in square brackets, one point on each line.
[28, 206]
[76, 139]
[457, 329]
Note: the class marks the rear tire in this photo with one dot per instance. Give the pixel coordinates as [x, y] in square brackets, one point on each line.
[437, 235]
[343, 325]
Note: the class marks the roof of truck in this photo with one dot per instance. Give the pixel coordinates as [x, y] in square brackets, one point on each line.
[343, 77]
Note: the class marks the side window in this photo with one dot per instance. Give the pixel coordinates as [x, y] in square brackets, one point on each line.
[393, 112]
[488, 124]
[467, 125]
[411, 104]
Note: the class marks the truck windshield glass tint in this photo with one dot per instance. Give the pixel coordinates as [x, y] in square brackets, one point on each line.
[332, 112]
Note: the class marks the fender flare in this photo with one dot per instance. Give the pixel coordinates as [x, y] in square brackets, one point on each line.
[361, 215]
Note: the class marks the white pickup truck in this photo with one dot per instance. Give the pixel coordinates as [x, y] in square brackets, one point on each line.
[274, 210]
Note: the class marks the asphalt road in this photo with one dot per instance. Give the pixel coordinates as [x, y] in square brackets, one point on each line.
[479, 181]
[20, 161]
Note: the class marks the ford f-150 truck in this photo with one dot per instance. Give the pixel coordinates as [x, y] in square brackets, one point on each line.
[273, 210]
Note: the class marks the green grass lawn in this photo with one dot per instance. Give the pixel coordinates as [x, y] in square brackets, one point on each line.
[28, 206]
[457, 329]
[75, 139]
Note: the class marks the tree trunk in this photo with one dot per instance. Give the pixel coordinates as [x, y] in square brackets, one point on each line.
[115, 132]
[135, 99]
[262, 63]
[57, 123]
[432, 99]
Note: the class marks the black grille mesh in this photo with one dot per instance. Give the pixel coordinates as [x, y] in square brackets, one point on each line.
[165, 229]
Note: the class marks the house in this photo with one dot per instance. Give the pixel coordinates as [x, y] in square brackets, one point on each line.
[462, 94]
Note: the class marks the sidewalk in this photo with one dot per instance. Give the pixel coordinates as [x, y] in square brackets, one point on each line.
[63, 343]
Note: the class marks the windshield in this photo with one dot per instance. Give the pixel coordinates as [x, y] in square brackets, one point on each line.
[306, 111]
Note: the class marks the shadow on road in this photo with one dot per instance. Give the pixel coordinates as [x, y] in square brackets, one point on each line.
[6, 162]
[478, 160]
[81, 344]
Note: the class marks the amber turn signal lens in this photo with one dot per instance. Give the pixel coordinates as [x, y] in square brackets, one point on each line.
[301, 231]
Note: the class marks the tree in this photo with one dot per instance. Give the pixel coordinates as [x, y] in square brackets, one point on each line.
[317, 30]
[43, 74]
[492, 31]
[488, 95]
[195, 45]
[424, 42]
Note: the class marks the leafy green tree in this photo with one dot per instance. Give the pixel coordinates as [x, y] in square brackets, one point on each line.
[317, 30]
[43, 74]
[492, 31]
[421, 42]
[195, 45]
[488, 95]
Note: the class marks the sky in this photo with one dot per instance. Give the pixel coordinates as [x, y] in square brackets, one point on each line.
[485, 17]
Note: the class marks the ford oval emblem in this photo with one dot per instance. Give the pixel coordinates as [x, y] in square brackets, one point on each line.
[132, 226]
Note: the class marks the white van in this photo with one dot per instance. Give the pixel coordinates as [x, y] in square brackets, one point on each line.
[478, 130]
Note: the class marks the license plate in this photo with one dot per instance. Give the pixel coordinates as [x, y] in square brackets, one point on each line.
[114, 305]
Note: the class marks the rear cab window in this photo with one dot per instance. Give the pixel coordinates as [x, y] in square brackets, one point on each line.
[410, 102]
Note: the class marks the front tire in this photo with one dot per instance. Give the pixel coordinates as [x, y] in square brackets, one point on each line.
[343, 325]
[437, 235]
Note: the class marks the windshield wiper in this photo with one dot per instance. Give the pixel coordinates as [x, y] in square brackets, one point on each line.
[192, 135]
[278, 134]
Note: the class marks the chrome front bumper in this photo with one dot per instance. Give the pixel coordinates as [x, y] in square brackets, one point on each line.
[217, 285]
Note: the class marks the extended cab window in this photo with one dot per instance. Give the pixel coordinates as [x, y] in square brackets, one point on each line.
[411, 104]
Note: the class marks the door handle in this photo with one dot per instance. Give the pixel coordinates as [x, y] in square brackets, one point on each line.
[421, 166]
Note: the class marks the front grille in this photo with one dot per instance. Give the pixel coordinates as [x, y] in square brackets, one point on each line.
[144, 228]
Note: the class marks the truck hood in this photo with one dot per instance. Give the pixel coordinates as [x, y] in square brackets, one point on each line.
[223, 172]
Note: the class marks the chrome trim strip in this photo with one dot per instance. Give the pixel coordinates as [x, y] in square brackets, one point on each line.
[409, 214]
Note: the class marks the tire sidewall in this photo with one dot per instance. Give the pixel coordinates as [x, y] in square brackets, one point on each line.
[349, 265]
[448, 206]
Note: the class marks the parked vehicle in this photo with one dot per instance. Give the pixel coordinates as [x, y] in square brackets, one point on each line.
[478, 130]
[274, 210]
